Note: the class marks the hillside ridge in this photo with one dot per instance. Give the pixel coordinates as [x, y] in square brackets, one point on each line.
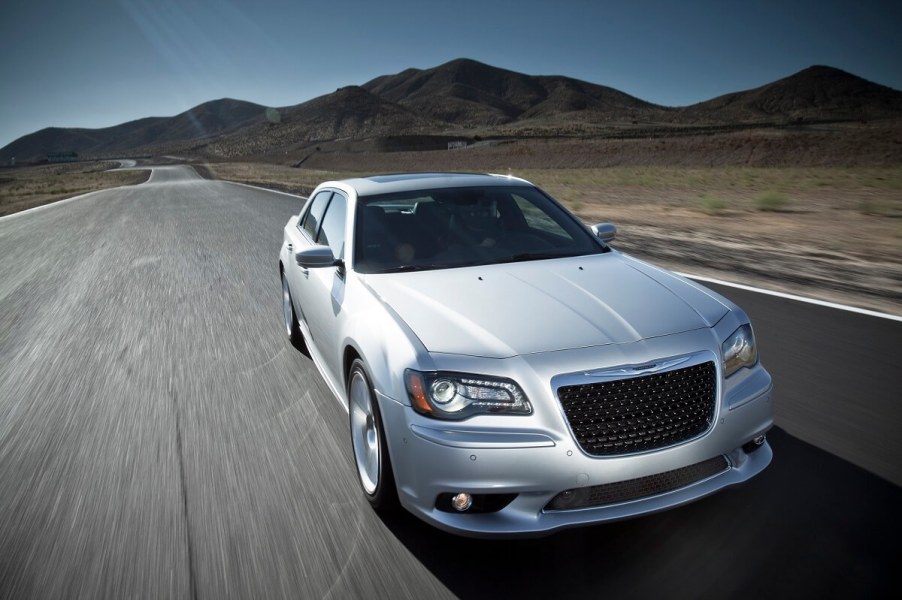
[464, 98]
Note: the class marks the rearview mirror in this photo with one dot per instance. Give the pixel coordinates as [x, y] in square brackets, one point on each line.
[315, 257]
[605, 231]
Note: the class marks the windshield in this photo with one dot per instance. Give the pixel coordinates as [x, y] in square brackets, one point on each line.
[457, 227]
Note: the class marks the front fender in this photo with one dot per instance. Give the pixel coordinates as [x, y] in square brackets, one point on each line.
[388, 346]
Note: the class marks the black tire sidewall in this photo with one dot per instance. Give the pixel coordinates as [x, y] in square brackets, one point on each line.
[294, 329]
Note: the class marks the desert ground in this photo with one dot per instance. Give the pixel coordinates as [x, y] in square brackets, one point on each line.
[22, 188]
[832, 233]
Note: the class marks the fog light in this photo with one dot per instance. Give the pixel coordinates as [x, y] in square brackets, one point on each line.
[753, 445]
[462, 501]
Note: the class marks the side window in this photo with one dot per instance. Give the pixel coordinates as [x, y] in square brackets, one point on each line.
[311, 220]
[332, 233]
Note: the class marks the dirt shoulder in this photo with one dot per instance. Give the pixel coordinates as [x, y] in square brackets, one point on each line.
[26, 187]
[831, 233]
[781, 253]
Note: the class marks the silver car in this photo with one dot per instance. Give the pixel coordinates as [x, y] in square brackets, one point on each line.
[506, 370]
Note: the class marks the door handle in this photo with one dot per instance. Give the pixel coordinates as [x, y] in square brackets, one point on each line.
[290, 246]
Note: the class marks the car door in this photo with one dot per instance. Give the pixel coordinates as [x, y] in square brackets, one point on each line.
[299, 236]
[322, 289]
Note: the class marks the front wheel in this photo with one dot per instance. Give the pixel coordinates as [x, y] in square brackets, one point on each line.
[368, 441]
[292, 328]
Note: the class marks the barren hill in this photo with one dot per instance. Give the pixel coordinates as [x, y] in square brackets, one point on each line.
[348, 113]
[814, 94]
[421, 109]
[470, 93]
[151, 134]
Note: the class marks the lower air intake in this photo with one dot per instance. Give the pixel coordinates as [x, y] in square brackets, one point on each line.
[635, 489]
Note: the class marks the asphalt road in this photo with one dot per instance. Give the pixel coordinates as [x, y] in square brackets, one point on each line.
[160, 438]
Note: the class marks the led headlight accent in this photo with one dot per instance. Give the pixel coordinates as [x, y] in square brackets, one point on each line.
[446, 395]
[739, 350]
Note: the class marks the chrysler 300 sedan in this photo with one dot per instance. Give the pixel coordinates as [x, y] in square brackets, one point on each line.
[505, 369]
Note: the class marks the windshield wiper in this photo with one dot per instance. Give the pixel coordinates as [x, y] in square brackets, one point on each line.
[524, 256]
[408, 268]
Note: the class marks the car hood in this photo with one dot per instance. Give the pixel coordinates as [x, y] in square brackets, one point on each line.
[513, 309]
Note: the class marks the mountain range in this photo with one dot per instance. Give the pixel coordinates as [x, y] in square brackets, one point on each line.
[464, 99]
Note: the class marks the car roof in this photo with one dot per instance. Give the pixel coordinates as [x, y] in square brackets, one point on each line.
[406, 182]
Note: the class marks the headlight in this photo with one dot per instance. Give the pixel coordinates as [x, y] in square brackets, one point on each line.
[739, 350]
[445, 395]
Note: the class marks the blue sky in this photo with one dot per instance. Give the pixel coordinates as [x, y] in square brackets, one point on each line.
[96, 63]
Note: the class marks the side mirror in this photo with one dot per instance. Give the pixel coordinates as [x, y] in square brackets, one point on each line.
[315, 257]
[605, 231]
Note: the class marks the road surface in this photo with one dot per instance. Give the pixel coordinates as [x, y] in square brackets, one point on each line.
[160, 438]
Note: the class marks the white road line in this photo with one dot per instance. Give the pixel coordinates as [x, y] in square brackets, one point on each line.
[257, 187]
[862, 311]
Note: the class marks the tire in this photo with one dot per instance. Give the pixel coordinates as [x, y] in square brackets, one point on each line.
[292, 328]
[368, 443]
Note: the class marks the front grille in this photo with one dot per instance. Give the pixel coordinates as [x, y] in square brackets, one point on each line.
[641, 413]
[634, 489]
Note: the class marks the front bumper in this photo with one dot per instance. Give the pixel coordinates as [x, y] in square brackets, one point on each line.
[431, 458]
